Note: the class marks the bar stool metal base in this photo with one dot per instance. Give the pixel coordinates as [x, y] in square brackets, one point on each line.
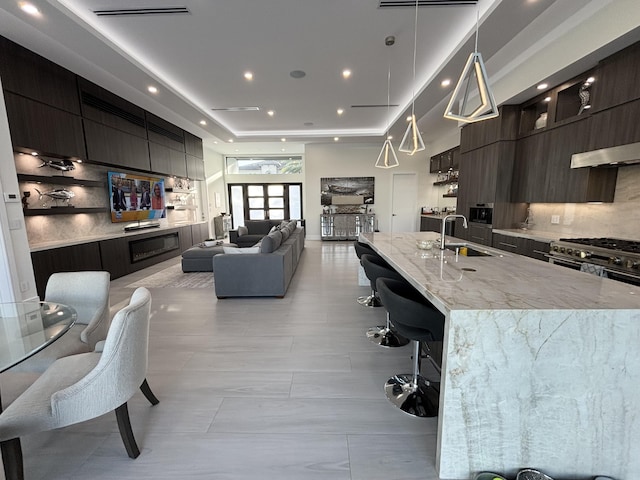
[419, 398]
[385, 337]
[369, 301]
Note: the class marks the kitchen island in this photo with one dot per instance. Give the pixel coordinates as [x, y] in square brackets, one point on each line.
[541, 364]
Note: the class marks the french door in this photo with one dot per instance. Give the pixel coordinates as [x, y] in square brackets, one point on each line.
[261, 201]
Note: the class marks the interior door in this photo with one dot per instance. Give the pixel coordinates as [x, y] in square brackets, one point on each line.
[404, 203]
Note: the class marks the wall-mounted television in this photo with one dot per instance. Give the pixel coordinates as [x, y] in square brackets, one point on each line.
[136, 197]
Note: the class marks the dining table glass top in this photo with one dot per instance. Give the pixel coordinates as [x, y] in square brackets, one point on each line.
[28, 327]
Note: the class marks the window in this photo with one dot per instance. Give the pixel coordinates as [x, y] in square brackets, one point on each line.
[264, 165]
[273, 201]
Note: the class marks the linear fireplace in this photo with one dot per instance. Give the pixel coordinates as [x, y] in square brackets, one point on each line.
[151, 247]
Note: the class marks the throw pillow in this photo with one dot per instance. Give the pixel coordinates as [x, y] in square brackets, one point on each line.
[274, 228]
[242, 230]
[271, 242]
[285, 233]
[241, 250]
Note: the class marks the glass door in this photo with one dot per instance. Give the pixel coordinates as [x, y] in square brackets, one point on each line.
[273, 201]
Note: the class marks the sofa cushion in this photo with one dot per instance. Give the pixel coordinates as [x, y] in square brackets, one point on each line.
[259, 227]
[241, 250]
[242, 230]
[271, 242]
[285, 232]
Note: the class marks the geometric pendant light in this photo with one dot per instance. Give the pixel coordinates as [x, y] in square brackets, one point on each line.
[473, 80]
[412, 140]
[387, 157]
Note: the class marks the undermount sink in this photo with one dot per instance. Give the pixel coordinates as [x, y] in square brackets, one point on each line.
[467, 251]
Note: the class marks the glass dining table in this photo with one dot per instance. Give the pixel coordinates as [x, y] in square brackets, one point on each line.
[28, 327]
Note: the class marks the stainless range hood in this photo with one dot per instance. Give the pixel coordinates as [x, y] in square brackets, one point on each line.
[614, 156]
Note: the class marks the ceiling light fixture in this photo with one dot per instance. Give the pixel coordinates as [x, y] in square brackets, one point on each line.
[340, 111]
[412, 140]
[152, 89]
[248, 75]
[547, 99]
[203, 122]
[445, 83]
[335, 139]
[271, 113]
[387, 157]
[29, 8]
[346, 73]
[474, 75]
[542, 86]
[283, 139]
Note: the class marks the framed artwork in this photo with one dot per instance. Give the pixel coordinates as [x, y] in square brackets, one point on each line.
[353, 187]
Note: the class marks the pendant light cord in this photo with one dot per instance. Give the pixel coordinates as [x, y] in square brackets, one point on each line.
[388, 94]
[415, 44]
[477, 28]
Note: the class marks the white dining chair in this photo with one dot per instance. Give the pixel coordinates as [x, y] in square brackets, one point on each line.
[81, 387]
[88, 293]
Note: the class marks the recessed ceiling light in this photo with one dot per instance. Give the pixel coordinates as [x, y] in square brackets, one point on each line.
[35, 154]
[283, 139]
[248, 75]
[215, 142]
[231, 140]
[152, 89]
[79, 160]
[346, 73]
[587, 107]
[340, 111]
[282, 150]
[389, 137]
[591, 80]
[297, 74]
[29, 8]
[446, 82]
[335, 139]
[203, 122]
[542, 86]
[547, 99]
[409, 118]
[271, 113]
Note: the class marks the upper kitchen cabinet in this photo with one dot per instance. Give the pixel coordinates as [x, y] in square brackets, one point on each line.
[615, 126]
[106, 108]
[111, 146]
[617, 79]
[164, 133]
[501, 128]
[30, 75]
[446, 161]
[167, 161]
[195, 168]
[45, 129]
[543, 170]
[193, 145]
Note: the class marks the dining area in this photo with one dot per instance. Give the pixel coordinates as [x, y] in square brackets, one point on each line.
[84, 362]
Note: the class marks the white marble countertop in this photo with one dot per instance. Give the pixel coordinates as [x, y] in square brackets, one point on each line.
[105, 236]
[502, 281]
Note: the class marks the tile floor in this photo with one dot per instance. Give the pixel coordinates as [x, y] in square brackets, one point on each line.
[256, 389]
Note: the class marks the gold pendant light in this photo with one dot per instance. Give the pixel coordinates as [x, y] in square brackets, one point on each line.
[412, 140]
[474, 76]
[387, 157]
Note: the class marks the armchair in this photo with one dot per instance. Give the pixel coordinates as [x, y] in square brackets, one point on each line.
[81, 387]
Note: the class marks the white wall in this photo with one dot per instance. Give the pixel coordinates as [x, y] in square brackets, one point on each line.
[357, 160]
[15, 256]
[214, 184]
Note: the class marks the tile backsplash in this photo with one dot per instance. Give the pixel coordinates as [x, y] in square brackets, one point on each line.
[620, 219]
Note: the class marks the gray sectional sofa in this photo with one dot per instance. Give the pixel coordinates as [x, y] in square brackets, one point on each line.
[264, 274]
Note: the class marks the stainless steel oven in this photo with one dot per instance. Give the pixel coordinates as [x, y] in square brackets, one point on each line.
[481, 213]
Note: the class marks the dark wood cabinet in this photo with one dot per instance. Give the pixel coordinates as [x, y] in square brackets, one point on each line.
[617, 79]
[74, 258]
[615, 126]
[28, 74]
[114, 147]
[479, 233]
[106, 108]
[479, 134]
[195, 168]
[543, 173]
[115, 257]
[193, 145]
[45, 129]
[445, 162]
[167, 160]
[164, 133]
[199, 232]
[522, 246]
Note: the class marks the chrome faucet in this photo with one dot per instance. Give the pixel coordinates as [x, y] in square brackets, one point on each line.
[444, 224]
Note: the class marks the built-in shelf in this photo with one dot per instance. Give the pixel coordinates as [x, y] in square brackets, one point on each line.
[181, 207]
[446, 182]
[178, 190]
[59, 180]
[450, 195]
[30, 212]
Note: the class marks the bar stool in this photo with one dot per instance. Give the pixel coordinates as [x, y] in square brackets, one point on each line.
[362, 249]
[375, 267]
[415, 318]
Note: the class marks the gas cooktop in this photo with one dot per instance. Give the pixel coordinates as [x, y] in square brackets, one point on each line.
[608, 243]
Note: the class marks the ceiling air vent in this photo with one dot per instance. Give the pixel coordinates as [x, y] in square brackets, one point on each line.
[121, 12]
[152, 127]
[375, 105]
[424, 3]
[104, 106]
